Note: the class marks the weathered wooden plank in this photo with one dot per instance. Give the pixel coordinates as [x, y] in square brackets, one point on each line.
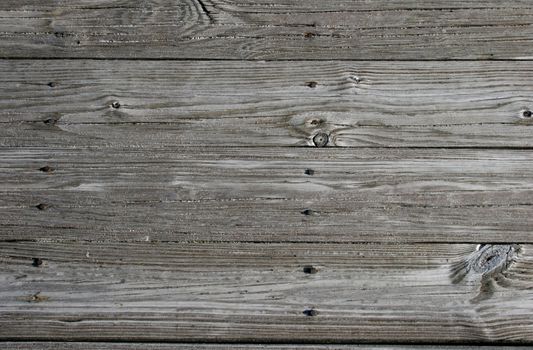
[267, 29]
[266, 194]
[266, 292]
[408, 104]
[196, 346]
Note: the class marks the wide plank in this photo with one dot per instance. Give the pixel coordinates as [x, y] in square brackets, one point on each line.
[267, 29]
[146, 291]
[82, 103]
[266, 194]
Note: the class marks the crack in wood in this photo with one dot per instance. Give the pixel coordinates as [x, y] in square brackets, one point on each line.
[206, 11]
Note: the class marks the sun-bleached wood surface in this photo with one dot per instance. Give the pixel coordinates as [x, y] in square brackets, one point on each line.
[266, 174]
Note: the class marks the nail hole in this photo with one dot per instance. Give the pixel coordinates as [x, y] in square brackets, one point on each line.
[115, 104]
[307, 212]
[50, 121]
[321, 139]
[36, 298]
[36, 262]
[527, 114]
[316, 122]
[309, 172]
[310, 312]
[311, 84]
[46, 169]
[310, 269]
[42, 206]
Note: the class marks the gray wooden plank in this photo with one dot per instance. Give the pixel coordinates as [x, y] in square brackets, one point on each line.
[193, 346]
[266, 194]
[266, 292]
[358, 104]
[267, 29]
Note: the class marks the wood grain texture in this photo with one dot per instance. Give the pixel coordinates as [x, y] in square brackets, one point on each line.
[266, 194]
[261, 292]
[65, 103]
[192, 346]
[267, 29]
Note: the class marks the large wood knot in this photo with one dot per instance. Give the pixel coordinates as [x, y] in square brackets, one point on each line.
[487, 261]
[486, 267]
[492, 258]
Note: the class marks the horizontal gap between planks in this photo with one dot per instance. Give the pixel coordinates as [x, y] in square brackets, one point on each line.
[7, 58]
[496, 345]
[327, 148]
[94, 241]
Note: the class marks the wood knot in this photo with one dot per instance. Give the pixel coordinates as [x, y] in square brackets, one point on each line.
[42, 206]
[309, 35]
[309, 172]
[311, 84]
[307, 212]
[46, 169]
[36, 262]
[115, 104]
[527, 114]
[493, 258]
[309, 269]
[52, 84]
[487, 261]
[321, 139]
[310, 312]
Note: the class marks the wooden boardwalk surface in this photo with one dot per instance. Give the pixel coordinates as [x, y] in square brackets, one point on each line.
[266, 174]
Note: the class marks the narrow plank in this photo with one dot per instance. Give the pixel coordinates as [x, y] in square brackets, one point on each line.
[69, 103]
[267, 29]
[415, 293]
[266, 194]
[193, 346]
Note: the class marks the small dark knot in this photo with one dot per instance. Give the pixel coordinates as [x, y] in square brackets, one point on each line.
[310, 312]
[36, 262]
[356, 79]
[115, 104]
[309, 35]
[527, 114]
[311, 84]
[321, 139]
[310, 269]
[309, 172]
[52, 84]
